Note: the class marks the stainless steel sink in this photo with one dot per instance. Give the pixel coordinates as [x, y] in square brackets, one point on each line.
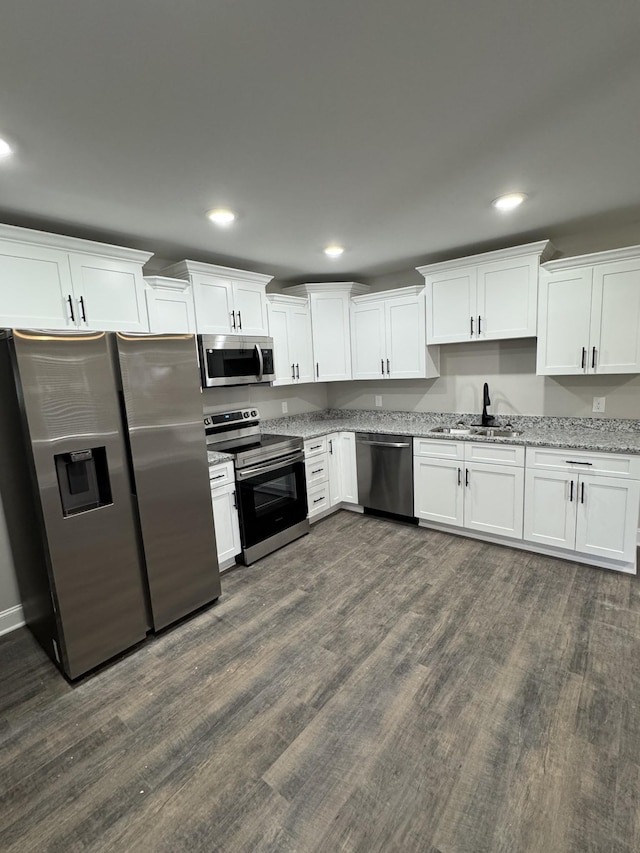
[453, 430]
[494, 432]
[485, 432]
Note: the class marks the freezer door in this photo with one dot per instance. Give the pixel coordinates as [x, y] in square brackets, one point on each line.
[163, 406]
[72, 419]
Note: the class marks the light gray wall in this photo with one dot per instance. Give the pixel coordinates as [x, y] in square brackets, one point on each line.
[509, 368]
[299, 399]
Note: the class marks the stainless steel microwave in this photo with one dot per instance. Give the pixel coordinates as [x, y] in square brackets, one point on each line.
[235, 360]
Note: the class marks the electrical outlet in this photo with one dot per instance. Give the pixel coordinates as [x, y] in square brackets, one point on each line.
[285, 408]
[598, 404]
[378, 399]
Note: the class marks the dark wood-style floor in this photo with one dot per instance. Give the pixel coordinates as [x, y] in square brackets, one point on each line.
[372, 687]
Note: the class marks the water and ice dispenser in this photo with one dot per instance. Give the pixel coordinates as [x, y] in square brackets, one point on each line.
[83, 479]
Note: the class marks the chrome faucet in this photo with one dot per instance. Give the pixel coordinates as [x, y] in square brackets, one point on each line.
[487, 420]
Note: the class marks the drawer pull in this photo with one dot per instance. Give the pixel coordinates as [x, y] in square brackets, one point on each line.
[574, 462]
[315, 447]
[218, 477]
[318, 471]
[317, 500]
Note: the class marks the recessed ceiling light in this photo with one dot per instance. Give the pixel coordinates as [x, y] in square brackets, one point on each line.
[5, 149]
[509, 201]
[221, 216]
[334, 251]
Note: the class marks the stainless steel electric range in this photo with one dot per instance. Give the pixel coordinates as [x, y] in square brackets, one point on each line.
[270, 480]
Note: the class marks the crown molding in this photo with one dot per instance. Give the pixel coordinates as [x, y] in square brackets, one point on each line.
[185, 269]
[287, 299]
[543, 249]
[394, 293]
[627, 253]
[162, 282]
[352, 288]
[28, 236]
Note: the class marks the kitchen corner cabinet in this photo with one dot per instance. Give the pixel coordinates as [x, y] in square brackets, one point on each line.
[225, 513]
[331, 327]
[476, 486]
[583, 502]
[589, 314]
[55, 282]
[227, 301]
[290, 328]
[491, 296]
[388, 336]
[170, 305]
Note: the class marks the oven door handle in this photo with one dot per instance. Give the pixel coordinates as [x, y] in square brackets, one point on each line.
[245, 473]
[260, 362]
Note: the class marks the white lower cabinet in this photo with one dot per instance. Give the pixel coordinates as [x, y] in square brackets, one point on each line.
[225, 514]
[482, 496]
[592, 514]
[330, 463]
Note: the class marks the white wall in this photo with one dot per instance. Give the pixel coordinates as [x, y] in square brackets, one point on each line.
[509, 368]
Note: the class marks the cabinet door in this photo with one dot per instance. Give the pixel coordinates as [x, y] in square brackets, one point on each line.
[405, 334]
[213, 298]
[494, 498]
[283, 358]
[35, 288]
[438, 490]
[225, 519]
[250, 304]
[507, 304]
[334, 448]
[564, 318]
[170, 311]
[301, 342]
[451, 306]
[331, 336]
[110, 293]
[368, 340]
[349, 470]
[607, 517]
[550, 508]
[615, 318]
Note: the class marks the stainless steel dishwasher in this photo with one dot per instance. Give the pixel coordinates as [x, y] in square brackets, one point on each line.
[385, 472]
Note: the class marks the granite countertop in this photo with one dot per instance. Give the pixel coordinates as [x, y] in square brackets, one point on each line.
[611, 435]
[215, 457]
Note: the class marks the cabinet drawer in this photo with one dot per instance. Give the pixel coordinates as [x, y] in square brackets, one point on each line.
[607, 464]
[221, 475]
[317, 470]
[318, 499]
[314, 446]
[437, 447]
[503, 454]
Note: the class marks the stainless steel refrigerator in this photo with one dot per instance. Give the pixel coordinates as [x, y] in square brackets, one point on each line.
[105, 486]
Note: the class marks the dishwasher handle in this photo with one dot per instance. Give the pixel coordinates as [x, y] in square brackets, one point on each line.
[384, 443]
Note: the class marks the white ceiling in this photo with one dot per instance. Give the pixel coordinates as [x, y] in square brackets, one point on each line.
[385, 126]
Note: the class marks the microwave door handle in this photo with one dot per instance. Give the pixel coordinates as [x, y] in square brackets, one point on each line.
[260, 362]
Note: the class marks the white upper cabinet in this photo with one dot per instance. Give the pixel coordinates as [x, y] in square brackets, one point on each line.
[290, 325]
[227, 301]
[589, 314]
[331, 330]
[170, 305]
[54, 282]
[388, 336]
[484, 297]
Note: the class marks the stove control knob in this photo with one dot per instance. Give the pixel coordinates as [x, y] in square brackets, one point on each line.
[245, 414]
[254, 414]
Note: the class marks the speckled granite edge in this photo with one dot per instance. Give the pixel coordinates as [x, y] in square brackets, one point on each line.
[611, 435]
[215, 457]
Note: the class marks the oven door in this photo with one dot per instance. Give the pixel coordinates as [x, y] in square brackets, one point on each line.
[271, 498]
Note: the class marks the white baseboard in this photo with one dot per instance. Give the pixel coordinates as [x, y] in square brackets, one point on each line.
[11, 619]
